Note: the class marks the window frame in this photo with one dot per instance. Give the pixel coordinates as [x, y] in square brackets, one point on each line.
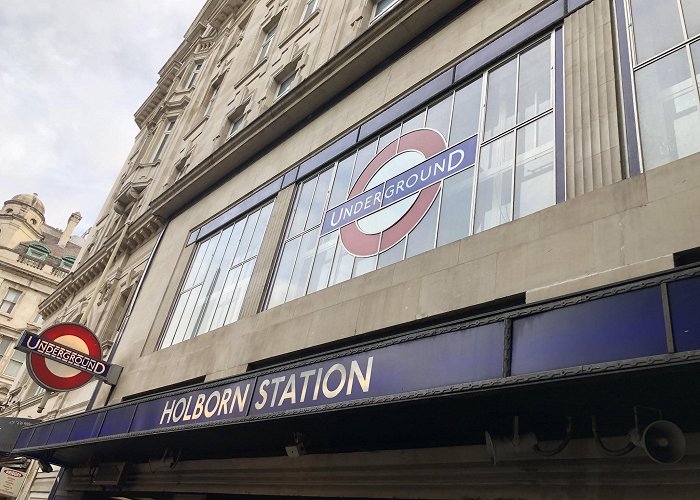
[627, 44]
[288, 81]
[376, 14]
[270, 32]
[555, 40]
[165, 339]
[6, 300]
[197, 67]
[167, 132]
[310, 6]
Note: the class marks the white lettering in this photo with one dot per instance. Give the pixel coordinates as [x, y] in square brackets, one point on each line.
[275, 381]
[290, 391]
[261, 390]
[343, 375]
[239, 399]
[208, 413]
[198, 406]
[305, 375]
[363, 380]
[168, 410]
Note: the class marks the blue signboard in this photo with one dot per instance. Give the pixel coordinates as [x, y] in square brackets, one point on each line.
[604, 328]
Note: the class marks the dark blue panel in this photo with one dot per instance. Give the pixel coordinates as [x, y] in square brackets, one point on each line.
[626, 326]
[324, 156]
[87, 426]
[495, 50]
[630, 122]
[575, 5]
[41, 435]
[684, 298]
[559, 131]
[290, 177]
[24, 437]
[61, 432]
[459, 357]
[118, 420]
[419, 96]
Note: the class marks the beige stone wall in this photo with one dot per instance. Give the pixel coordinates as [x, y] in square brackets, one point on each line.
[593, 156]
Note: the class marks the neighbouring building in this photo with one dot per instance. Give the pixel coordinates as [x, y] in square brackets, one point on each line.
[399, 249]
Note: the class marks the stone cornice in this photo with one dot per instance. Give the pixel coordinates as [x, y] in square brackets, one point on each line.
[367, 52]
[30, 273]
[140, 231]
[214, 12]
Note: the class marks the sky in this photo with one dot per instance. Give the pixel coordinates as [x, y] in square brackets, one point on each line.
[72, 75]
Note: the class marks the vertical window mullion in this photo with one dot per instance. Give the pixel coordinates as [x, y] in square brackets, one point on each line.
[515, 139]
[480, 139]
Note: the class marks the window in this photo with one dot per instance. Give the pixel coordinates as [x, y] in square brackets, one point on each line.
[67, 262]
[310, 7]
[196, 70]
[217, 279]
[235, 123]
[212, 97]
[38, 250]
[267, 42]
[5, 342]
[10, 300]
[38, 319]
[285, 85]
[164, 139]
[508, 114]
[15, 364]
[665, 46]
[382, 6]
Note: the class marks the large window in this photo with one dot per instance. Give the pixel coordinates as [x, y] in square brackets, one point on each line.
[169, 126]
[665, 46]
[217, 279]
[267, 42]
[506, 113]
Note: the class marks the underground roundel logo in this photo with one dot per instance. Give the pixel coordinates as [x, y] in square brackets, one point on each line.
[395, 190]
[65, 356]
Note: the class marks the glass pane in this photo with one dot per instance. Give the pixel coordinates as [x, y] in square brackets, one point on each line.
[175, 320]
[387, 138]
[237, 301]
[363, 265]
[364, 155]
[534, 167]
[246, 237]
[319, 202]
[467, 112]
[196, 264]
[456, 208]
[422, 238]
[394, 254]
[301, 210]
[226, 295]
[208, 257]
[284, 272]
[341, 183]
[260, 227]
[493, 193]
[342, 265]
[657, 26]
[691, 13]
[439, 116]
[668, 110]
[302, 267]
[534, 94]
[186, 315]
[323, 262]
[500, 100]
[413, 123]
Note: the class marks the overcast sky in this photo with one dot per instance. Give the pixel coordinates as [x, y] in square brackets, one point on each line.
[72, 75]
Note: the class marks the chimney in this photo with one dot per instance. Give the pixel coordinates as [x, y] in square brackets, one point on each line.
[68, 231]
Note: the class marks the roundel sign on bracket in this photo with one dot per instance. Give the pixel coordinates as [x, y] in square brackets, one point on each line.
[65, 356]
[395, 191]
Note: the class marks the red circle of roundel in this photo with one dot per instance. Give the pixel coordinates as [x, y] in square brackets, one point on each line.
[48, 379]
[427, 141]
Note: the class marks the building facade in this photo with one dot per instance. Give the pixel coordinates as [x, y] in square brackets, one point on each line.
[400, 249]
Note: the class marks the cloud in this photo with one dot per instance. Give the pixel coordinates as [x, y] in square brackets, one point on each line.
[73, 74]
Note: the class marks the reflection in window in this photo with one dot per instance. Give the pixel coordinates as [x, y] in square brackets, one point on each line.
[513, 176]
[667, 64]
[15, 364]
[217, 279]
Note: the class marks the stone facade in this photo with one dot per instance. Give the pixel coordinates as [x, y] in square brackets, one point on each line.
[260, 98]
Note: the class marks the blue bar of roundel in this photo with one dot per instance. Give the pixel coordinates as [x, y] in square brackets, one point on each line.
[685, 313]
[41, 435]
[626, 326]
[24, 438]
[368, 202]
[459, 357]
